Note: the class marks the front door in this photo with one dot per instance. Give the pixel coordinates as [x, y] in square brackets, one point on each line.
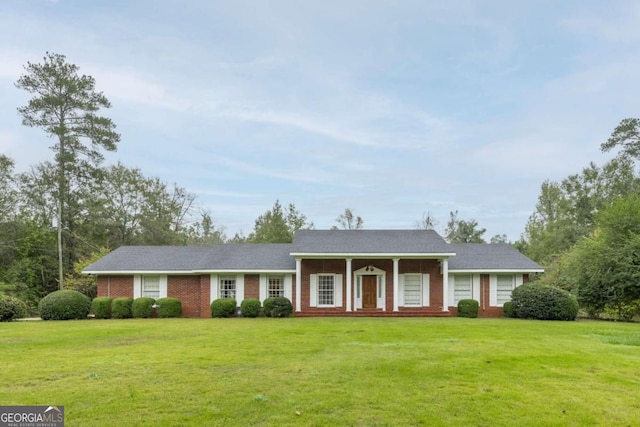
[369, 294]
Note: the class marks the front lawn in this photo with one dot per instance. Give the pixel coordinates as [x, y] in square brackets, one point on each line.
[325, 372]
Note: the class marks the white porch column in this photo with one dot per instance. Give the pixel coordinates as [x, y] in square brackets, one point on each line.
[349, 284]
[298, 284]
[396, 281]
[445, 285]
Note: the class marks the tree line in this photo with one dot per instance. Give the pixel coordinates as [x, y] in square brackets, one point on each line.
[585, 230]
[62, 214]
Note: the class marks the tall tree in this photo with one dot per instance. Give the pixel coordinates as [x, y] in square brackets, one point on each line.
[625, 136]
[461, 231]
[8, 193]
[204, 231]
[566, 211]
[65, 105]
[278, 225]
[349, 221]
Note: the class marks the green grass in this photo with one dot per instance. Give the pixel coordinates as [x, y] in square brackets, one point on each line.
[325, 372]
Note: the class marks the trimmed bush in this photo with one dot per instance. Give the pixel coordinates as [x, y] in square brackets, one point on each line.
[468, 308]
[250, 307]
[142, 307]
[101, 307]
[278, 307]
[267, 305]
[169, 307]
[64, 305]
[507, 309]
[11, 308]
[543, 302]
[223, 307]
[121, 308]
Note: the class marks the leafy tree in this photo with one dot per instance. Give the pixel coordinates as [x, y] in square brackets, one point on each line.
[566, 211]
[604, 268]
[204, 231]
[499, 238]
[461, 231]
[65, 106]
[348, 221]
[278, 225]
[625, 136]
[82, 283]
[8, 193]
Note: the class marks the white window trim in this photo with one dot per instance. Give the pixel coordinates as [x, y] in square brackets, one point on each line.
[474, 288]
[227, 277]
[337, 290]
[425, 290]
[264, 286]
[137, 285]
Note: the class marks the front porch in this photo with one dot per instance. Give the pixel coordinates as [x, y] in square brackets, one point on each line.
[401, 287]
[368, 312]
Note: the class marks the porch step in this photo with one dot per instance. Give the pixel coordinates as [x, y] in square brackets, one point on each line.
[372, 313]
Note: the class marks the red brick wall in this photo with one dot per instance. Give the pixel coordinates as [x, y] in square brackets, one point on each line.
[251, 286]
[319, 266]
[205, 295]
[115, 286]
[187, 289]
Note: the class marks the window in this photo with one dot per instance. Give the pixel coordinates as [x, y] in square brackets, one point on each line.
[151, 286]
[504, 288]
[275, 286]
[461, 287]
[412, 289]
[326, 289]
[227, 287]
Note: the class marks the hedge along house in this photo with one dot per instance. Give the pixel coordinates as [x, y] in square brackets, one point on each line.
[324, 273]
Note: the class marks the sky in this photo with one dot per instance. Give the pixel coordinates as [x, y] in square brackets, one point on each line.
[393, 109]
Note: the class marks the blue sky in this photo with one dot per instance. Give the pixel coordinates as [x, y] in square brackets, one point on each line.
[390, 108]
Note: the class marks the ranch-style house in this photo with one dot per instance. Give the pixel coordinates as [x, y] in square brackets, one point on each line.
[324, 273]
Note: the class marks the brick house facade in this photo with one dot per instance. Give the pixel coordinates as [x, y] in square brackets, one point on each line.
[324, 273]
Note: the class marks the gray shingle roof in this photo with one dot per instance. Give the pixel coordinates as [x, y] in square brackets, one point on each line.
[369, 241]
[489, 256]
[274, 257]
[278, 257]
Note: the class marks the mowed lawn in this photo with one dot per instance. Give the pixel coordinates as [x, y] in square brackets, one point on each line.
[325, 371]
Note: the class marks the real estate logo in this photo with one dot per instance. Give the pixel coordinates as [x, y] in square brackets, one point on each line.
[31, 416]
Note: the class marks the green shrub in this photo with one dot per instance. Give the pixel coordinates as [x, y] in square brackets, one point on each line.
[121, 308]
[267, 305]
[11, 308]
[169, 307]
[507, 309]
[223, 307]
[278, 307]
[101, 307]
[142, 307]
[250, 307]
[468, 308]
[64, 305]
[543, 302]
[625, 311]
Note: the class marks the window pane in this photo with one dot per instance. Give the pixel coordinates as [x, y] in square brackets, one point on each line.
[504, 288]
[461, 287]
[412, 289]
[151, 286]
[276, 286]
[325, 290]
[227, 287]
